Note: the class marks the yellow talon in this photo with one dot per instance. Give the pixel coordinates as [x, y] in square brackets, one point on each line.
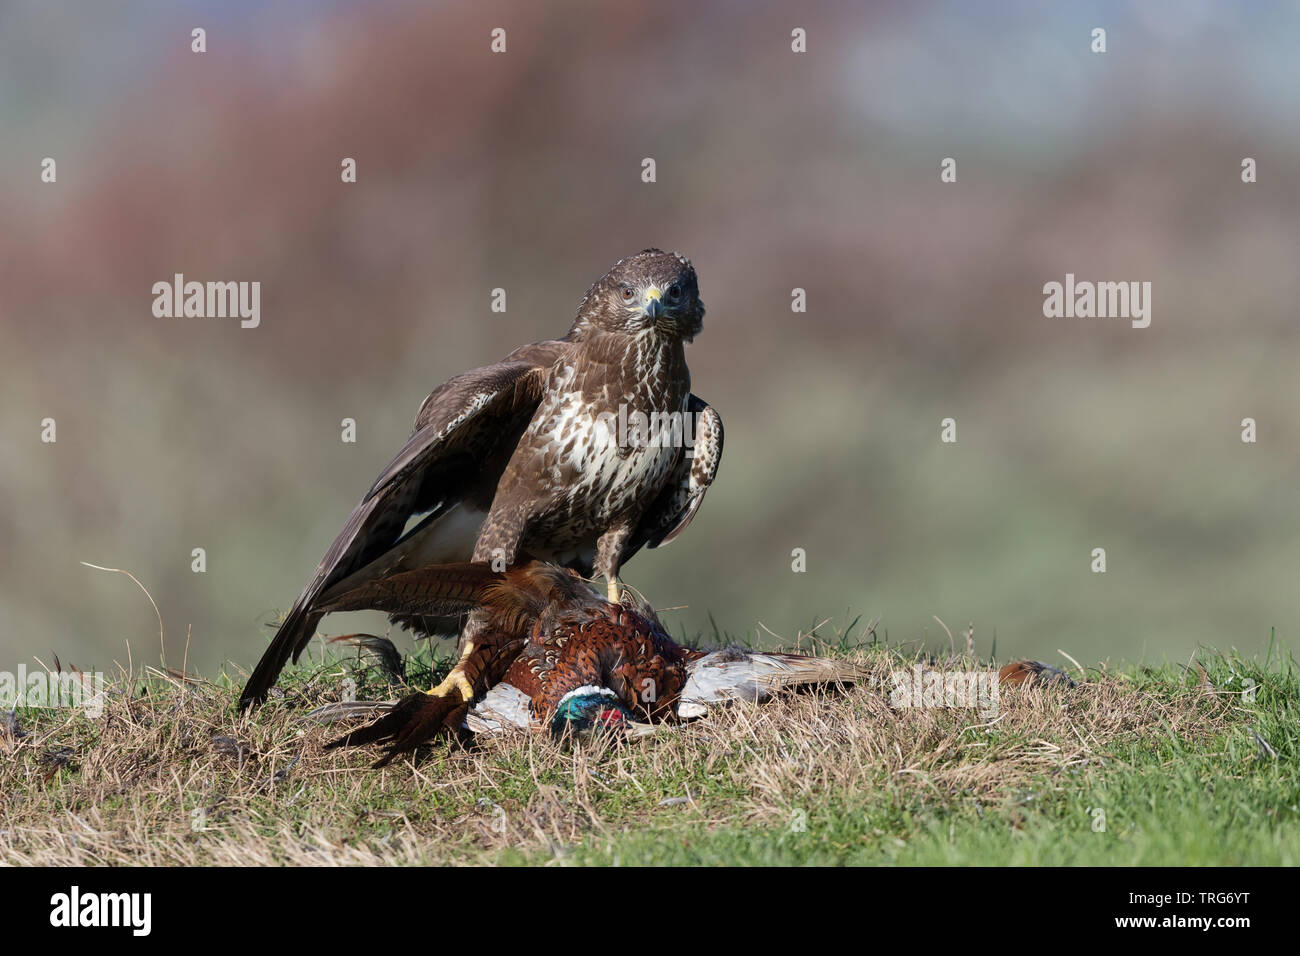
[613, 590]
[453, 681]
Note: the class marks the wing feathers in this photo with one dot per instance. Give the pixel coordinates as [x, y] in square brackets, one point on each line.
[493, 392]
[447, 589]
[677, 504]
[736, 674]
[461, 424]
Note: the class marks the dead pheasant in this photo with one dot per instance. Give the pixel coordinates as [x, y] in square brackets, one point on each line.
[564, 658]
[1033, 672]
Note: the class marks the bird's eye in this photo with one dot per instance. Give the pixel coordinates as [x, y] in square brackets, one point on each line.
[674, 291]
[628, 293]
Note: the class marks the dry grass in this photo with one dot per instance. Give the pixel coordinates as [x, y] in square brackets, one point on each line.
[170, 774]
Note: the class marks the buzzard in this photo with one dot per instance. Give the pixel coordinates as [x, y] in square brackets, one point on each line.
[534, 455]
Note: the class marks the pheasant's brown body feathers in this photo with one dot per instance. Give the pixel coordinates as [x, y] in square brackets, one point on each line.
[612, 647]
[549, 636]
[547, 631]
[555, 652]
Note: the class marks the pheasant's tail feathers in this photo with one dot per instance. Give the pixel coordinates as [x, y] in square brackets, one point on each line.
[345, 709]
[437, 590]
[382, 649]
[515, 597]
[414, 720]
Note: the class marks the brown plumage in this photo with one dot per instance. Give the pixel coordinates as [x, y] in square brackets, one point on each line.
[1033, 672]
[557, 654]
[518, 457]
[573, 656]
[604, 645]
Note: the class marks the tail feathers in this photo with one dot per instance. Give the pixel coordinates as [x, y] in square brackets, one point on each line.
[414, 720]
[289, 640]
[438, 590]
[737, 674]
[346, 709]
[514, 598]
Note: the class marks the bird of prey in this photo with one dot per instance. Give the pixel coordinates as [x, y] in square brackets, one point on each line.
[566, 659]
[580, 451]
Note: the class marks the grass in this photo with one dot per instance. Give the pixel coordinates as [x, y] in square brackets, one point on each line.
[1136, 765]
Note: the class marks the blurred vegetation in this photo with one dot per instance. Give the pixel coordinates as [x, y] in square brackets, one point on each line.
[521, 171]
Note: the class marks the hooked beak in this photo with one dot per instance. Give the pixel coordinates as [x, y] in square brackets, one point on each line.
[652, 304]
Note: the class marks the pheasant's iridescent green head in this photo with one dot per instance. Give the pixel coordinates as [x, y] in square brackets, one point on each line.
[589, 710]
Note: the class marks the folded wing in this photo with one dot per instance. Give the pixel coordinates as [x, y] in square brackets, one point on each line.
[734, 673]
[676, 505]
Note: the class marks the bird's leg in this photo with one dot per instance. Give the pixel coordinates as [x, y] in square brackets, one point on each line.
[455, 681]
[505, 526]
[609, 555]
[463, 676]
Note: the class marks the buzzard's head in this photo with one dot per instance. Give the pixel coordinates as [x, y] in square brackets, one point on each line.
[652, 292]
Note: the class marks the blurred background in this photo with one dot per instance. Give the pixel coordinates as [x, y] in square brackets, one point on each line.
[775, 171]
